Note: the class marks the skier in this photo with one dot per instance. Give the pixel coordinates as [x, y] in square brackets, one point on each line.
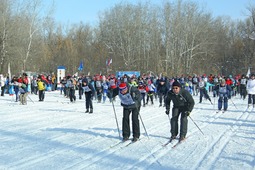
[194, 84]
[183, 104]
[243, 82]
[2, 84]
[150, 89]
[251, 90]
[89, 93]
[131, 101]
[142, 89]
[80, 89]
[70, 84]
[41, 89]
[105, 86]
[98, 88]
[224, 92]
[162, 90]
[203, 85]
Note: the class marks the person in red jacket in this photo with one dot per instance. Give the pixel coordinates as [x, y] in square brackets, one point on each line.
[229, 82]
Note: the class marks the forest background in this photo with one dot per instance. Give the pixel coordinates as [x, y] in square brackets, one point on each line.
[173, 38]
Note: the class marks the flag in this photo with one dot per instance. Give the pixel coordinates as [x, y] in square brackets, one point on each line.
[80, 68]
[108, 62]
[76, 74]
[248, 72]
[9, 71]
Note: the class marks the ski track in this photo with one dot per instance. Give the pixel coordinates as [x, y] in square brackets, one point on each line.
[157, 148]
[152, 150]
[102, 155]
[96, 158]
[160, 152]
[210, 155]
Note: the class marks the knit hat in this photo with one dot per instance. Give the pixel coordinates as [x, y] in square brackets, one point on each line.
[223, 81]
[122, 87]
[176, 83]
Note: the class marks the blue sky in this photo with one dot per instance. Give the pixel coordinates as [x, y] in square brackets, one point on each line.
[74, 11]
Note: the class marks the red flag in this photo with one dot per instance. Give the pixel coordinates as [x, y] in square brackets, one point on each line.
[108, 62]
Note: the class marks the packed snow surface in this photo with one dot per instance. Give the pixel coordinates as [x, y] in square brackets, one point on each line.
[56, 134]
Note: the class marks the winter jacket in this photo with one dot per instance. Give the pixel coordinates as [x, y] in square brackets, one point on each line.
[2, 81]
[88, 88]
[40, 85]
[223, 90]
[126, 101]
[251, 86]
[182, 100]
[162, 86]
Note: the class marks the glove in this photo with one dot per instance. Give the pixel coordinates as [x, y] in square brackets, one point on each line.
[187, 113]
[167, 112]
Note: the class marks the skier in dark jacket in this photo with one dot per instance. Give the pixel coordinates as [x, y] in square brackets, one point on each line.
[243, 81]
[89, 93]
[183, 104]
[131, 101]
[162, 89]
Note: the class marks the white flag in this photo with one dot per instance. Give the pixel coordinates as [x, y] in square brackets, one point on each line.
[9, 71]
[248, 72]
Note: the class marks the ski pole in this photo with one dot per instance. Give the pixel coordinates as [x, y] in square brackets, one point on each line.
[169, 122]
[116, 119]
[233, 103]
[214, 102]
[30, 99]
[196, 125]
[143, 125]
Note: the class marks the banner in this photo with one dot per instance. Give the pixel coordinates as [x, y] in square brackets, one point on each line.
[128, 73]
[61, 73]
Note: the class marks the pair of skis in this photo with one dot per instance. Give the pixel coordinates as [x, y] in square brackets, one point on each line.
[124, 143]
[175, 145]
[221, 111]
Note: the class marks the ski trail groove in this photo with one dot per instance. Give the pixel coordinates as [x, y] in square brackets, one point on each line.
[210, 155]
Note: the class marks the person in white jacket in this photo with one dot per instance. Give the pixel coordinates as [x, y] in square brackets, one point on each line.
[251, 90]
[2, 84]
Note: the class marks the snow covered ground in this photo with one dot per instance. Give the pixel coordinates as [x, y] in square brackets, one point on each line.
[56, 135]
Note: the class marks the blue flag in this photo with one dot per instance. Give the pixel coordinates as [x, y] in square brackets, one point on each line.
[80, 66]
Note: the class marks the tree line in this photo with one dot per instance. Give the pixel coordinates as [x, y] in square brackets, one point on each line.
[173, 38]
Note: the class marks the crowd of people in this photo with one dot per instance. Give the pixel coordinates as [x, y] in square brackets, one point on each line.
[135, 92]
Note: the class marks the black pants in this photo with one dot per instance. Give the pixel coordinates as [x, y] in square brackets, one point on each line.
[99, 94]
[161, 98]
[176, 112]
[2, 90]
[203, 93]
[41, 95]
[80, 92]
[243, 91]
[88, 97]
[150, 96]
[72, 94]
[126, 123]
[251, 98]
